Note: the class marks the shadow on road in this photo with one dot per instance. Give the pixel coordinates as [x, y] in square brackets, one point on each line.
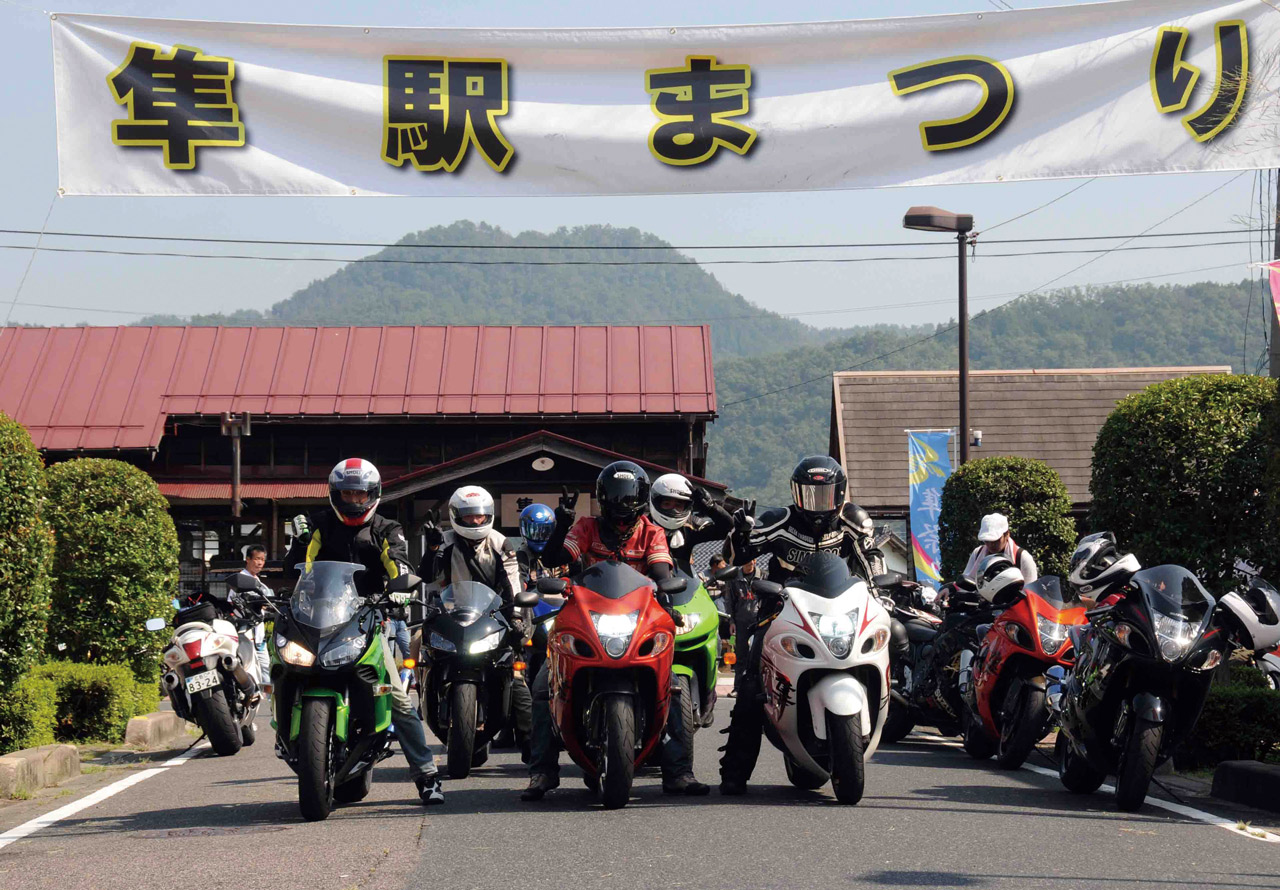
[945, 879]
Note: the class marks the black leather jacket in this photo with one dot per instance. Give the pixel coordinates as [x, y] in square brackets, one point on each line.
[786, 536]
[379, 545]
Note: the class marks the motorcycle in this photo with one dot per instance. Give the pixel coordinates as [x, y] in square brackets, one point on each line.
[610, 672]
[913, 625]
[330, 689]
[824, 670]
[465, 678]
[209, 669]
[1007, 710]
[1142, 673]
[698, 627]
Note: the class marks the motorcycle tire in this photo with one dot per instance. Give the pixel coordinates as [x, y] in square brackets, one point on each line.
[248, 734]
[848, 758]
[1273, 680]
[354, 790]
[1075, 773]
[315, 780]
[462, 730]
[977, 744]
[480, 757]
[1138, 764]
[898, 725]
[802, 778]
[619, 750]
[687, 711]
[214, 716]
[1024, 722]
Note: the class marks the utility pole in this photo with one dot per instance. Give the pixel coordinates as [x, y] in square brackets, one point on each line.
[1275, 310]
[235, 426]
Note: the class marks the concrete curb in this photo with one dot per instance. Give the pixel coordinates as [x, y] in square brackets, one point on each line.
[1248, 782]
[31, 769]
[155, 729]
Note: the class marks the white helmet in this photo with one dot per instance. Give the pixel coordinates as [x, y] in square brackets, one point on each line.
[1257, 612]
[360, 480]
[1098, 566]
[468, 501]
[998, 578]
[670, 487]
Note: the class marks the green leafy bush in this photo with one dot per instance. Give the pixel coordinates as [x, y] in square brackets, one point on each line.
[1179, 475]
[1240, 721]
[94, 701]
[115, 564]
[1027, 491]
[27, 713]
[26, 547]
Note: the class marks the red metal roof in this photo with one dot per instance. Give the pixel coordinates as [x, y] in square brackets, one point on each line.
[221, 491]
[102, 388]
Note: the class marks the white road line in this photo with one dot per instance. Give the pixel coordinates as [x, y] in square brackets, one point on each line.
[34, 825]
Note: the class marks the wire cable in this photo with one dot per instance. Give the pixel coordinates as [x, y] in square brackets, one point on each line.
[1038, 209]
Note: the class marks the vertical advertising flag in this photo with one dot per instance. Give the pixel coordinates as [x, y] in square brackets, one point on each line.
[1274, 270]
[928, 469]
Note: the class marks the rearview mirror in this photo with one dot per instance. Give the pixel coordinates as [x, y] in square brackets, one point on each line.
[527, 599]
[403, 583]
[888, 579]
[156, 624]
[552, 585]
[766, 588]
[726, 573]
[673, 585]
[241, 582]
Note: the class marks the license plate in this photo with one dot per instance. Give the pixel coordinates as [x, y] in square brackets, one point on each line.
[206, 680]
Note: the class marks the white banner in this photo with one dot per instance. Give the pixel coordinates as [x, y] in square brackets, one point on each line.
[162, 107]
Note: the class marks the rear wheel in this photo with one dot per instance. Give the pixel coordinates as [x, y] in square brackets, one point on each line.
[848, 751]
[1075, 772]
[619, 750]
[214, 715]
[977, 744]
[462, 730]
[1024, 720]
[801, 777]
[1273, 679]
[356, 789]
[1138, 764]
[248, 734]
[315, 781]
[898, 724]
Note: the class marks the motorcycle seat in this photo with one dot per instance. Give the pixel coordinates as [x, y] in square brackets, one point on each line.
[919, 631]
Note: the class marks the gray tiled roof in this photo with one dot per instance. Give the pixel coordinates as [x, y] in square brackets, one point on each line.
[1052, 415]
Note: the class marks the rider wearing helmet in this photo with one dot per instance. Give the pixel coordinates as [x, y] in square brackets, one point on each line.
[689, 516]
[537, 525]
[1099, 570]
[623, 533]
[993, 538]
[352, 531]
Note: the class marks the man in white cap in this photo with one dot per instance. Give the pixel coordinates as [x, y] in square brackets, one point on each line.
[993, 538]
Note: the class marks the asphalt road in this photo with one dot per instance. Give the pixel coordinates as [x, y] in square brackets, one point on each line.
[930, 818]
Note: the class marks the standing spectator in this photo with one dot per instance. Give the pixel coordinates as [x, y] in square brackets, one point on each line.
[742, 605]
[715, 588]
[993, 538]
[255, 558]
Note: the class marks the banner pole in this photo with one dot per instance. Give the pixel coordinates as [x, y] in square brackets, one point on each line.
[1274, 356]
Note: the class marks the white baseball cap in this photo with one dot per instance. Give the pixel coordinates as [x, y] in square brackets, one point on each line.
[994, 527]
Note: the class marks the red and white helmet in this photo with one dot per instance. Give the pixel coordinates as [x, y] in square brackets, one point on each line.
[467, 503]
[358, 475]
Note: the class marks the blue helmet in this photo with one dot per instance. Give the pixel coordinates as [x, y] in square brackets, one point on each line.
[537, 522]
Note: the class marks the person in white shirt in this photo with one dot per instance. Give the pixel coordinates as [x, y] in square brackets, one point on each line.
[993, 538]
[255, 559]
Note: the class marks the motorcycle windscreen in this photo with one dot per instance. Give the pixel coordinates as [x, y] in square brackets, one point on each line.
[325, 596]
[1051, 589]
[825, 575]
[612, 580]
[469, 596]
[1175, 592]
[684, 597]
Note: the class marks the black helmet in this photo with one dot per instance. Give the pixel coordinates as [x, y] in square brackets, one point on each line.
[818, 485]
[622, 489]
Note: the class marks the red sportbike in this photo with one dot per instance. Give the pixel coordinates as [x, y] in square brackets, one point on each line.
[1007, 710]
[611, 650]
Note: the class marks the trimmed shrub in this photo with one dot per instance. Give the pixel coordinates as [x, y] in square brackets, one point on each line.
[1240, 721]
[1178, 475]
[115, 564]
[94, 701]
[27, 713]
[1027, 491]
[146, 697]
[26, 549]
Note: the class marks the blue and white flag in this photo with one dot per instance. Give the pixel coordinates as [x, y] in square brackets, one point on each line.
[928, 469]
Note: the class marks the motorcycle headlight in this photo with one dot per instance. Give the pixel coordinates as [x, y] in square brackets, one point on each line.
[1052, 634]
[688, 622]
[837, 631]
[615, 631]
[488, 644]
[1175, 636]
[440, 644]
[343, 652]
[297, 654]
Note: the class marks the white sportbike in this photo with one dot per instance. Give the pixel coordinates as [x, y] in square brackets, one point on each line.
[824, 669]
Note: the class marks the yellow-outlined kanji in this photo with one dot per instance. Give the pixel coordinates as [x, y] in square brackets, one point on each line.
[440, 92]
[1180, 68]
[685, 93]
[1209, 112]
[128, 100]
[925, 139]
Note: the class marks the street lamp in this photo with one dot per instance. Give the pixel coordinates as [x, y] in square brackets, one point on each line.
[932, 219]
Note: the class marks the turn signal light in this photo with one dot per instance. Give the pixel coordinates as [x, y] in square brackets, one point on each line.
[520, 665]
[730, 659]
[410, 663]
[382, 689]
[268, 689]
[661, 640]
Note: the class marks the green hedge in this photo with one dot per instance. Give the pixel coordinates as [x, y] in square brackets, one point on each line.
[26, 548]
[1179, 475]
[1027, 491]
[115, 564]
[27, 714]
[1240, 721]
[94, 701]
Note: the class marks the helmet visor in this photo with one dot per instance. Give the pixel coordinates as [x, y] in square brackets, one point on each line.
[816, 498]
[537, 531]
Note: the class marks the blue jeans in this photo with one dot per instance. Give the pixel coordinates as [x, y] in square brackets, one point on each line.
[409, 729]
[400, 632]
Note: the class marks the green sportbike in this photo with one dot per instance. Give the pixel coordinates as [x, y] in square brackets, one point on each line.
[330, 691]
[698, 628]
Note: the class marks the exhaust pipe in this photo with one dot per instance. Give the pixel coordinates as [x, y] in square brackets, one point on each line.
[170, 681]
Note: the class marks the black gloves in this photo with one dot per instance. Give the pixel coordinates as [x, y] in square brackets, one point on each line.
[701, 499]
[742, 523]
[566, 511]
[434, 537]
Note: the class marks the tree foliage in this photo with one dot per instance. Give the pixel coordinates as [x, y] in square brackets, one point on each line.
[1027, 491]
[26, 545]
[1178, 475]
[115, 564]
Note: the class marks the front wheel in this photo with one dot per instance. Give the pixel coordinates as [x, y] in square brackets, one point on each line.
[619, 750]
[977, 744]
[214, 715]
[462, 730]
[848, 753]
[315, 781]
[1024, 720]
[687, 712]
[1074, 771]
[1138, 764]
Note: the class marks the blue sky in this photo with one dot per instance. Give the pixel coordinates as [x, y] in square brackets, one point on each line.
[148, 284]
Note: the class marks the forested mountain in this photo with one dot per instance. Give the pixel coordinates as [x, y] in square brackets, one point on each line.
[755, 443]
[442, 286]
